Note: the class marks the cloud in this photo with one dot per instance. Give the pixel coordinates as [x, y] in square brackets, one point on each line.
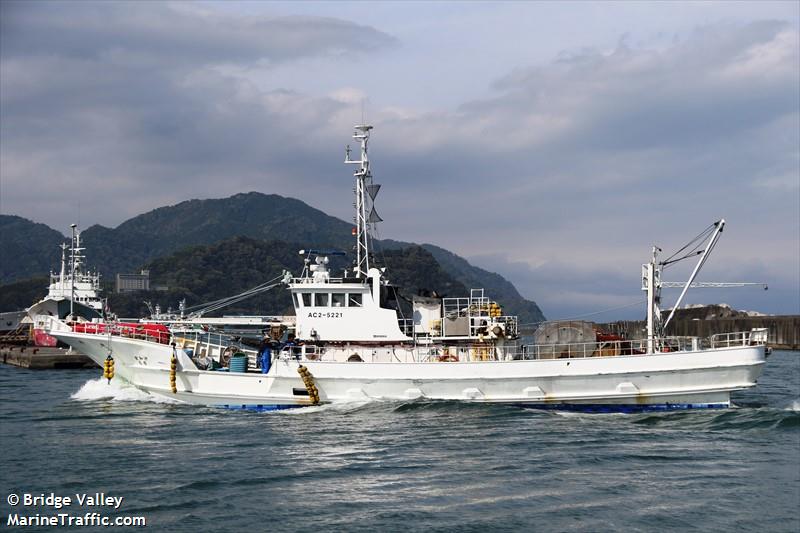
[571, 167]
[588, 291]
[125, 106]
[637, 146]
[175, 35]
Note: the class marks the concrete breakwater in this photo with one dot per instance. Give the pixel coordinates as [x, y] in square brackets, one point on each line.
[43, 358]
[784, 331]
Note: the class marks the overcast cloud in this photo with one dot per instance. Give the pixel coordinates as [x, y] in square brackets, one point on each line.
[557, 160]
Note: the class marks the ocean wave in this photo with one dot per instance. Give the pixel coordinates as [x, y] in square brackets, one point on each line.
[341, 406]
[585, 414]
[429, 404]
[761, 418]
[117, 391]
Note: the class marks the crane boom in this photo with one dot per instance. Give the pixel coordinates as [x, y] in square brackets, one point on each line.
[704, 255]
[710, 284]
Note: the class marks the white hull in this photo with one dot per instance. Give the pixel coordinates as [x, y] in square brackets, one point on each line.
[703, 378]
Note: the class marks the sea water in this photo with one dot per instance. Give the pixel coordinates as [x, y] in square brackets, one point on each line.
[400, 466]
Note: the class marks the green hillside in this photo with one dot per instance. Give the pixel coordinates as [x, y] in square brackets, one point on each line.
[27, 249]
[158, 238]
[20, 295]
[168, 229]
[202, 274]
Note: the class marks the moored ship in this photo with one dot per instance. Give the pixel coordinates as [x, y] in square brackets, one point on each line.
[73, 293]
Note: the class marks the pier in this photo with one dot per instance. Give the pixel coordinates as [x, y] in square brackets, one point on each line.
[784, 331]
[40, 358]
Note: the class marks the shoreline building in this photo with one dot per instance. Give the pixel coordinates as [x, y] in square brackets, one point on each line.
[133, 282]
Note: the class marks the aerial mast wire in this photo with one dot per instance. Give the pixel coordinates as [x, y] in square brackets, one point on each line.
[710, 246]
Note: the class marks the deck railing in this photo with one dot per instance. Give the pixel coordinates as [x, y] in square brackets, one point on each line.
[131, 331]
[639, 346]
[406, 326]
[591, 349]
[212, 344]
[529, 352]
[754, 337]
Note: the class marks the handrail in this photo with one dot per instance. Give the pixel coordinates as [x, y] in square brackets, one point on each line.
[406, 326]
[754, 337]
[473, 353]
[526, 352]
[327, 280]
[132, 331]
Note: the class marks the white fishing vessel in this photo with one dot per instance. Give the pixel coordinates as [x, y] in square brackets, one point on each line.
[74, 292]
[356, 346]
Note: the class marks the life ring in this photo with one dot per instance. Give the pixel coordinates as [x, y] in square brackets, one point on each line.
[446, 358]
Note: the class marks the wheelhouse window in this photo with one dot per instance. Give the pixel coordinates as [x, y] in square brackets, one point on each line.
[296, 301]
[306, 299]
[321, 299]
[354, 300]
[338, 299]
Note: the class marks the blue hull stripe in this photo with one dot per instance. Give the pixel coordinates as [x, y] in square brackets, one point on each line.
[257, 407]
[623, 408]
[583, 408]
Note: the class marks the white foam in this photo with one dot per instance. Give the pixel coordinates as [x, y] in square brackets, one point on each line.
[584, 415]
[794, 406]
[117, 390]
[568, 414]
[338, 406]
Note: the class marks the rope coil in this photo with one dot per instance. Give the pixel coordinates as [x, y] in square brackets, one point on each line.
[173, 370]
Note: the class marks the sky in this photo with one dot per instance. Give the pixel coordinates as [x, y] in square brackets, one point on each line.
[551, 142]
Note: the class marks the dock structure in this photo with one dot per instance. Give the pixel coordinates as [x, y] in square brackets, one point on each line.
[783, 330]
[40, 358]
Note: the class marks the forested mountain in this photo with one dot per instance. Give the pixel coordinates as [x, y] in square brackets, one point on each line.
[20, 295]
[168, 229]
[31, 249]
[201, 274]
[27, 249]
[167, 234]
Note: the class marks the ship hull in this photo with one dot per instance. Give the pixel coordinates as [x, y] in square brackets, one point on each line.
[42, 312]
[676, 380]
[43, 340]
[11, 320]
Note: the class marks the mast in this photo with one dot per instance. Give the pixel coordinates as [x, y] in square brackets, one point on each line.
[363, 188]
[63, 276]
[72, 273]
[651, 283]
